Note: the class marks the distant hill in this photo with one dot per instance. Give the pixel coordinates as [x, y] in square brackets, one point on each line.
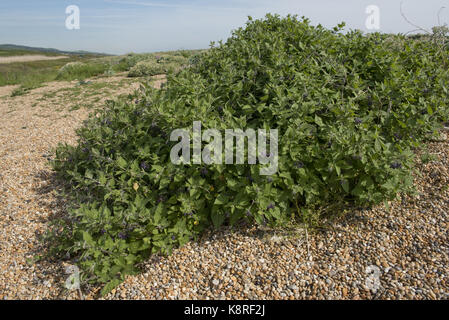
[25, 49]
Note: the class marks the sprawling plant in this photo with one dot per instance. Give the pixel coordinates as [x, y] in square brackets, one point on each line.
[158, 64]
[348, 107]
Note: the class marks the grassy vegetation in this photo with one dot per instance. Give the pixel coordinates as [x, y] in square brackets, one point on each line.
[161, 63]
[22, 52]
[81, 70]
[32, 74]
[93, 93]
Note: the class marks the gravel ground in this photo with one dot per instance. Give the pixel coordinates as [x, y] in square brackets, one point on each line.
[396, 253]
[30, 126]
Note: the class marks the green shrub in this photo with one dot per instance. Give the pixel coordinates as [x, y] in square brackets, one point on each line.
[158, 64]
[349, 109]
[131, 59]
[80, 70]
[147, 68]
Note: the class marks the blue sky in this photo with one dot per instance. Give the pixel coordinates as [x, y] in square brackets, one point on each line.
[121, 26]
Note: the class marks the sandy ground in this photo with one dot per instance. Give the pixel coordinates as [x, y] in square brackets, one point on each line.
[7, 90]
[27, 58]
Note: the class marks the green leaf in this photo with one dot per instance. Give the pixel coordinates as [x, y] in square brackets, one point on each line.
[109, 286]
[121, 162]
[87, 238]
[221, 200]
[102, 178]
[345, 185]
[217, 218]
[88, 174]
[337, 169]
[319, 121]
[264, 98]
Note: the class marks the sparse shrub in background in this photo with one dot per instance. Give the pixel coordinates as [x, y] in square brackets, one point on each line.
[80, 70]
[110, 72]
[158, 64]
[147, 68]
[71, 66]
[187, 53]
[131, 59]
[147, 64]
[349, 109]
[33, 73]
